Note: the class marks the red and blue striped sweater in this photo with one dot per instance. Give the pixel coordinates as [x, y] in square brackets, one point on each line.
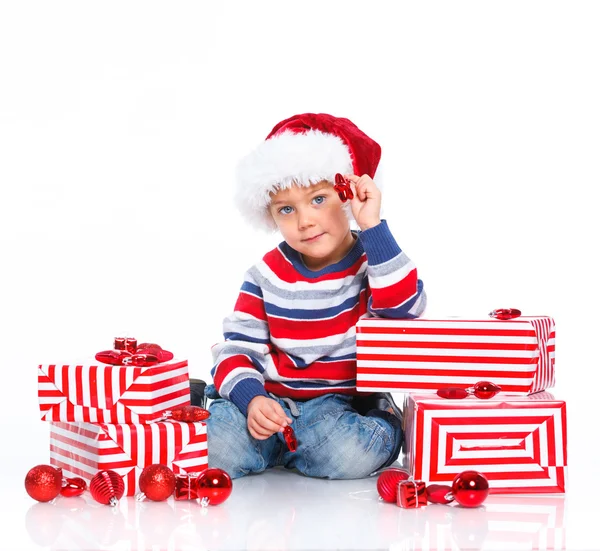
[292, 332]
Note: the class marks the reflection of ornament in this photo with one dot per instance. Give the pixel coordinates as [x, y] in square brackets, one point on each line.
[440, 493]
[505, 313]
[156, 482]
[72, 487]
[483, 390]
[44, 523]
[290, 438]
[387, 483]
[411, 494]
[470, 488]
[343, 189]
[43, 482]
[186, 486]
[107, 487]
[214, 486]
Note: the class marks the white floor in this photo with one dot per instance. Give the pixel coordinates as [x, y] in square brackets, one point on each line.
[281, 510]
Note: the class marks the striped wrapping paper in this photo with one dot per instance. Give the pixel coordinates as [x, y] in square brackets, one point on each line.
[518, 442]
[82, 449]
[423, 355]
[98, 393]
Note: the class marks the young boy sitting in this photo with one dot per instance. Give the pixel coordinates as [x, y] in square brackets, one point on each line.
[289, 354]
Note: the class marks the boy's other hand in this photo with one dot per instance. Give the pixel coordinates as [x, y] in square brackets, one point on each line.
[266, 417]
[366, 205]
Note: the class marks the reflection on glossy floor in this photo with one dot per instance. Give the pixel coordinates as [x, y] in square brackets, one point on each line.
[281, 510]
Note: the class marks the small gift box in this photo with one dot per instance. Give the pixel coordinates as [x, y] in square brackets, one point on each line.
[518, 442]
[423, 355]
[412, 494]
[98, 393]
[186, 486]
[82, 449]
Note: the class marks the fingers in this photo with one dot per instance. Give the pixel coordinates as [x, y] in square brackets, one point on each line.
[363, 186]
[265, 418]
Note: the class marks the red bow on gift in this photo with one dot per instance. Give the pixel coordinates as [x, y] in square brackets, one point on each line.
[126, 351]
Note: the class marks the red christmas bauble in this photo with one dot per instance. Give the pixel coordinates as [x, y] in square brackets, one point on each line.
[157, 482]
[107, 487]
[470, 488]
[387, 483]
[485, 390]
[214, 486]
[43, 482]
[73, 487]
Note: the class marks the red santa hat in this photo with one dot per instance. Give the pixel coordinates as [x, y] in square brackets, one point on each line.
[302, 150]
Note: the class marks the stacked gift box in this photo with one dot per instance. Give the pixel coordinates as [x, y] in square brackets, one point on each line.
[105, 416]
[516, 438]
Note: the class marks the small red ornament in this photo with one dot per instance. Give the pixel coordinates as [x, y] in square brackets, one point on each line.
[343, 189]
[452, 393]
[72, 487]
[43, 482]
[122, 343]
[214, 486]
[141, 360]
[156, 350]
[157, 482]
[107, 487]
[470, 488]
[411, 494]
[505, 313]
[485, 390]
[290, 438]
[439, 493]
[185, 414]
[387, 483]
[113, 357]
[186, 486]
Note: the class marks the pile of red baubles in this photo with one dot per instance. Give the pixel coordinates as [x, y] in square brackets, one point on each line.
[157, 482]
[395, 485]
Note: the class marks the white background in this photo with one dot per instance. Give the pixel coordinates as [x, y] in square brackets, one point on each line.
[121, 124]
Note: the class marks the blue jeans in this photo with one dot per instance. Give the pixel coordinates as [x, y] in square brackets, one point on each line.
[334, 441]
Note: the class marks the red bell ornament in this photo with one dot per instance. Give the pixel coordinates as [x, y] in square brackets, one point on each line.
[107, 487]
[43, 482]
[72, 487]
[411, 494]
[156, 482]
[470, 488]
[214, 486]
[387, 483]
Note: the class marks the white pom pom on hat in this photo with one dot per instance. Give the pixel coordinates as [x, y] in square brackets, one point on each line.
[302, 150]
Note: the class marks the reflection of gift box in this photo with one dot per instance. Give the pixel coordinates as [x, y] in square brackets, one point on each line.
[518, 442]
[82, 449]
[423, 355]
[99, 393]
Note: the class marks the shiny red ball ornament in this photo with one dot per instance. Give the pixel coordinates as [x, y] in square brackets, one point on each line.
[107, 487]
[470, 488]
[43, 482]
[440, 493]
[387, 483]
[157, 482]
[485, 390]
[505, 313]
[214, 486]
[72, 487]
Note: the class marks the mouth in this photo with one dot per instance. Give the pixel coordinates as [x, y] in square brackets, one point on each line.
[312, 239]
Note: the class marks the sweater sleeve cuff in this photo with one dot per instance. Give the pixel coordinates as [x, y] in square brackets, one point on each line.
[379, 244]
[244, 391]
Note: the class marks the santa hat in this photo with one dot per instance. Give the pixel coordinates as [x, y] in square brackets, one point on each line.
[302, 150]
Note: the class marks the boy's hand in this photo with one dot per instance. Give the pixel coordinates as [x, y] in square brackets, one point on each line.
[266, 417]
[366, 205]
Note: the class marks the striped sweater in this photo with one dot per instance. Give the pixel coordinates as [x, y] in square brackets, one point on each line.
[292, 332]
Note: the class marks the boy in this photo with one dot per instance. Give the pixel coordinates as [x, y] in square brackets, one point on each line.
[289, 355]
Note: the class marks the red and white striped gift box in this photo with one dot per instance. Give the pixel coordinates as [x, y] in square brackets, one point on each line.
[423, 355]
[518, 442]
[99, 393]
[82, 449]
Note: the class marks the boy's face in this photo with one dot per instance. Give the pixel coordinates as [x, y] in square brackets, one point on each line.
[312, 221]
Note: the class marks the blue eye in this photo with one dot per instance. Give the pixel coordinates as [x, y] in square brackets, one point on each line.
[285, 210]
[319, 199]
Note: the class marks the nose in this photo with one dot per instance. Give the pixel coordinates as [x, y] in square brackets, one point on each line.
[305, 219]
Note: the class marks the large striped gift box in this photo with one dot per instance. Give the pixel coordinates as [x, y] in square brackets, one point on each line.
[518, 442]
[423, 355]
[98, 393]
[82, 449]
